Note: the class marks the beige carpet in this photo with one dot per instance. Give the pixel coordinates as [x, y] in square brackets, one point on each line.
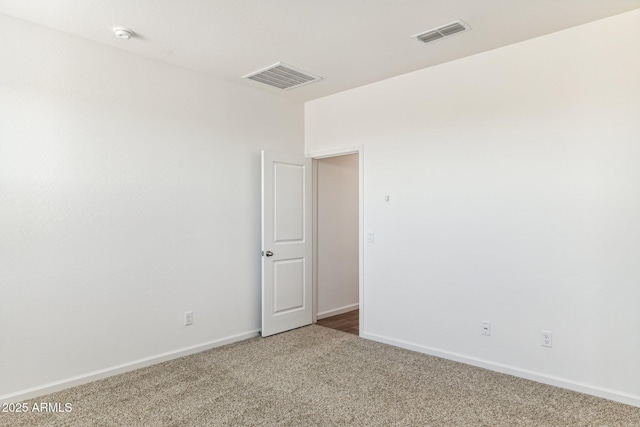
[316, 376]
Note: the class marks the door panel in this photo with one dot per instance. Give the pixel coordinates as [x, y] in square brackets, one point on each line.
[286, 242]
[288, 281]
[288, 182]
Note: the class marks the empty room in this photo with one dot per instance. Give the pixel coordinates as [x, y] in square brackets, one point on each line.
[318, 213]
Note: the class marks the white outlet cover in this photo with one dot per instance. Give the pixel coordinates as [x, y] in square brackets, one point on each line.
[546, 338]
[188, 318]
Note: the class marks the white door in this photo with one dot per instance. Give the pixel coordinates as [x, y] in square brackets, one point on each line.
[286, 242]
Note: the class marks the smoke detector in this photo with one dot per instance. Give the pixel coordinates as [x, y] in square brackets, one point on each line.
[442, 32]
[123, 33]
[282, 76]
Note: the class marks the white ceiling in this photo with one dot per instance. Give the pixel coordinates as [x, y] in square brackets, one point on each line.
[349, 43]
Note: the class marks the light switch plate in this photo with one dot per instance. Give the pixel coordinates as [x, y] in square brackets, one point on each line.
[370, 236]
[486, 328]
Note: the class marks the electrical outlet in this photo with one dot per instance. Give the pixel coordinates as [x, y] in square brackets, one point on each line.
[546, 337]
[188, 318]
[486, 328]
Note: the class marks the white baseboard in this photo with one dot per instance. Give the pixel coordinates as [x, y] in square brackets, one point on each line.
[41, 390]
[618, 396]
[336, 311]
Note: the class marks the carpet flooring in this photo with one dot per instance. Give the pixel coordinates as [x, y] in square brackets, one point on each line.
[315, 376]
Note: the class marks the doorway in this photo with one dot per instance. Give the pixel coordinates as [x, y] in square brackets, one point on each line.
[337, 241]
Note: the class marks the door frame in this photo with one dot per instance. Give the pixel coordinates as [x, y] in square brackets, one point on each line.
[315, 155]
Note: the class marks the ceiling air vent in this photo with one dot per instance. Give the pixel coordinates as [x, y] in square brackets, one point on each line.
[442, 32]
[282, 76]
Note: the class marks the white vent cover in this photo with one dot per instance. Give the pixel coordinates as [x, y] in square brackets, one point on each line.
[282, 76]
[442, 32]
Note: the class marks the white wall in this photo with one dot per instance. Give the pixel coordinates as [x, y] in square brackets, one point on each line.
[515, 197]
[337, 246]
[130, 193]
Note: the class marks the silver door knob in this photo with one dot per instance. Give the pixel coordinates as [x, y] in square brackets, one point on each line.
[269, 253]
